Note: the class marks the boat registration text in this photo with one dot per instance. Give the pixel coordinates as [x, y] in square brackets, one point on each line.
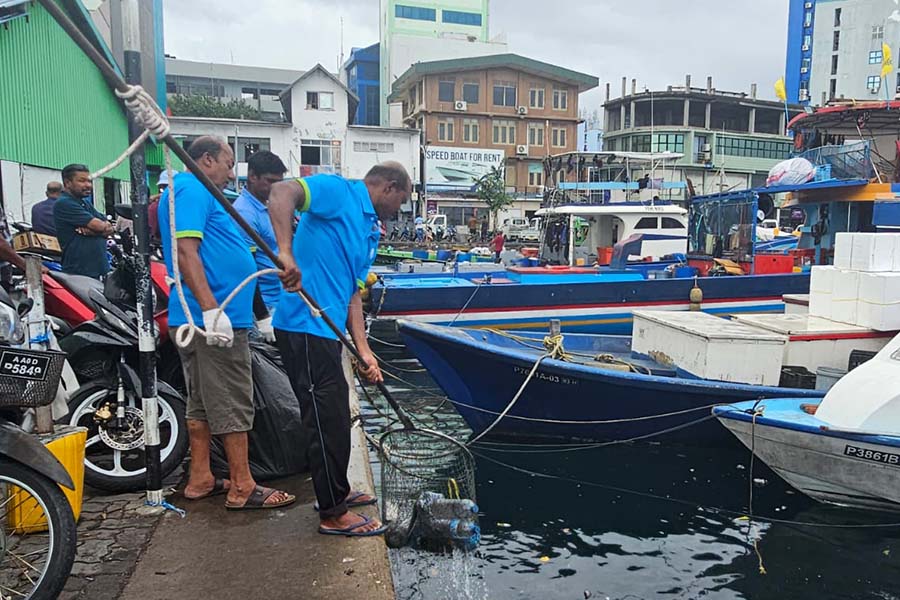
[872, 455]
[547, 376]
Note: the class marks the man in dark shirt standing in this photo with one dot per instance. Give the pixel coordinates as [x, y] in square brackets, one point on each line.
[80, 228]
[42, 212]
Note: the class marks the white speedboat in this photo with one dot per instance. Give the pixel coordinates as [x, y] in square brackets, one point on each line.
[846, 449]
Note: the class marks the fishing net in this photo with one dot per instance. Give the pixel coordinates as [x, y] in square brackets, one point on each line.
[419, 460]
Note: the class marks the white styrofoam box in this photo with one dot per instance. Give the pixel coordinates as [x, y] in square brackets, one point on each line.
[819, 305]
[896, 265]
[709, 347]
[821, 279]
[843, 250]
[880, 317]
[845, 296]
[879, 288]
[814, 342]
[872, 252]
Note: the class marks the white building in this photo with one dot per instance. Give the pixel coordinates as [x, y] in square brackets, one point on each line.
[426, 31]
[318, 135]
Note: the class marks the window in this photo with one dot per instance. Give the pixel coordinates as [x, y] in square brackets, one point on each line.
[834, 64]
[560, 99]
[836, 43]
[413, 96]
[535, 178]
[536, 98]
[559, 137]
[670, 223]
[837, 17]
[807, 19]
[320, 100]
[445, 130]
[535, 135]
[373, 146]
[774, 150]
[807, 41]
[668, 142]
[415, 12]
[461, 18]
[640, 143]
[875, 57]
[470, 131]
[471, 92]
[504, 93]
[372, 101]
[873, 82]
[319, 156]
[272, 94]
[249, 93]
[699, 142]
[806, 63]
[832, 89]
[504, 132]
[648, 223]
[248, 146]
[446, 90]
[878, 32]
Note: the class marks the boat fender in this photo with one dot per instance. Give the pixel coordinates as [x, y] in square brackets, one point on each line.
[696, 297]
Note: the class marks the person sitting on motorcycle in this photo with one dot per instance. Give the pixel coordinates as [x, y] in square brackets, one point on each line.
[420, 228]
[80, 228]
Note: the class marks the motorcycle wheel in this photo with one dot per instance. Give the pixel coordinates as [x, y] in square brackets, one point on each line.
[35, 560]
[115, 461]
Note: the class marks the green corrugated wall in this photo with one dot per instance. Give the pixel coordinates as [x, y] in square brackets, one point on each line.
[55, 108]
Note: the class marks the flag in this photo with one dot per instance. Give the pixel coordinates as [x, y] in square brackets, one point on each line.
[780, 92]
[887, 61]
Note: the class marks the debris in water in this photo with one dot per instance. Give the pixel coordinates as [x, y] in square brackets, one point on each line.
[759, 481]
[545, 559]
[566, 530]
[587, 594]
[505, 525]
[347, 560]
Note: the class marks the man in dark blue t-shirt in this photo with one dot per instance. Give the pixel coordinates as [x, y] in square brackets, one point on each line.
[80, 228]
[42, 212]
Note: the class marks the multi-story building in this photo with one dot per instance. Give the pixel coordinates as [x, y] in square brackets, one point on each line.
[426, 30]
[729, 140]
[490, 110]
[834, 50]
[260, 87]
[362, 73]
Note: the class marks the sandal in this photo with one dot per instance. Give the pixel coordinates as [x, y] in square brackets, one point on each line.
[257, 500]
[350, 531]
[353, 501]
[217, 490]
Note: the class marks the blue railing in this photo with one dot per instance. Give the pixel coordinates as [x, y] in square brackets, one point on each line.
[847, 161]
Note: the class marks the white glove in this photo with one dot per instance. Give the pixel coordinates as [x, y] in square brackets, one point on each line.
[265, 329]
[222, 334]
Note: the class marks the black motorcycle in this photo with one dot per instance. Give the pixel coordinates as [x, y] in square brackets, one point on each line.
[37, 528]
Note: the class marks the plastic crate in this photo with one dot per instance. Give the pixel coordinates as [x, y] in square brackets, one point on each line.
[29, 378]
[797, 378]
[858, 357]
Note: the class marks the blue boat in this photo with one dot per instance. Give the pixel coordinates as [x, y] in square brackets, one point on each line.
[599, 393]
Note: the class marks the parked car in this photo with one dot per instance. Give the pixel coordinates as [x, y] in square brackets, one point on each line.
[520, 229]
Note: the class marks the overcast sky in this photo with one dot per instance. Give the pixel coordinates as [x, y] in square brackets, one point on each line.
[655, 41]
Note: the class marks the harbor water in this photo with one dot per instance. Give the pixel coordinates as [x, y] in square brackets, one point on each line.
[639, 520]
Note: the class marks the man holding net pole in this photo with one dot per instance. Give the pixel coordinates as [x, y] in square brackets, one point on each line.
[333, 248]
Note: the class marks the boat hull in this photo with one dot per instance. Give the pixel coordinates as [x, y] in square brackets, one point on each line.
[848, 469]
[564, 401]
[601, 307]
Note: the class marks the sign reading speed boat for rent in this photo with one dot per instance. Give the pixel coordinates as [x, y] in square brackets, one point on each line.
[449, 168]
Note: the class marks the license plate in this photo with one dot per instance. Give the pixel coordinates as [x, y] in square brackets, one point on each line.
[872, 455]
[22, 364]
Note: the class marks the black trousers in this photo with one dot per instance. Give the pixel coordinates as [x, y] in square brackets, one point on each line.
[313, 365]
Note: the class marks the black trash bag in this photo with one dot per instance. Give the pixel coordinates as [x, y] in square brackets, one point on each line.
[277, 444]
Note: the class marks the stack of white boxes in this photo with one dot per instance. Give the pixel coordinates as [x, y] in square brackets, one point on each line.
[863, 286]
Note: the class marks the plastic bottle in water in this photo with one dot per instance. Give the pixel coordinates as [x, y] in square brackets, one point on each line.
[442, 508]
[465, 534]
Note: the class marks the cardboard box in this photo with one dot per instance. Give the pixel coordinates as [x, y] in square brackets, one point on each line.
[29, 241]
[873, 252]
[843, 250]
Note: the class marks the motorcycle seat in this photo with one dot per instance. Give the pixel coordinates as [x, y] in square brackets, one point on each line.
[80, 285]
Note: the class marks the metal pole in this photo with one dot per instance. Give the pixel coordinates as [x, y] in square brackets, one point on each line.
[141, 229]
[571, 240]
[37, 330]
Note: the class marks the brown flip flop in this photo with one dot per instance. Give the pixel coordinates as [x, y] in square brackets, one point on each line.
[217, 490]
[257, 500]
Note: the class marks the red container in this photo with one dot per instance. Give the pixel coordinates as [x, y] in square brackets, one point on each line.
[604, 255]
[769, 264]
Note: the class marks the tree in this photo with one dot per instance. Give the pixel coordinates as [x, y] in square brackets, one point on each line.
[491, 189]
[207, 106]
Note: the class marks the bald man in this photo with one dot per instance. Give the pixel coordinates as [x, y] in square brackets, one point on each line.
[333, 248]
[42, 212]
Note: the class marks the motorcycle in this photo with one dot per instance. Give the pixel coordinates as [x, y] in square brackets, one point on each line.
[37, 526]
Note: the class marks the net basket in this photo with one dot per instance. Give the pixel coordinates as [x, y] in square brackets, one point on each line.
[418, 460]
[31, 382]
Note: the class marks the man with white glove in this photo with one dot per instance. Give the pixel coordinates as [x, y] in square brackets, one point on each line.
[213, 261]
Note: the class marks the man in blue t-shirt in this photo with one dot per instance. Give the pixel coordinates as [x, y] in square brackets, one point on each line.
[333, 248]
[80, 228]
[213, 260]
[264, 169]
[42, 212]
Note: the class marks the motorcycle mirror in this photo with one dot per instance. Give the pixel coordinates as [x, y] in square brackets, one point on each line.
[25, 307]
[126, 211]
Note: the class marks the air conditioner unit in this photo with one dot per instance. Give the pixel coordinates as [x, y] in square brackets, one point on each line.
[521, 150]
[804, 94]
[522, 110]
[805, 47]
[873, 90]
[804, 69]
[807, 5]
[460, 105]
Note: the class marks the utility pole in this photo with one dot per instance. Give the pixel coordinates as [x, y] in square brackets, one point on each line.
[141, 228]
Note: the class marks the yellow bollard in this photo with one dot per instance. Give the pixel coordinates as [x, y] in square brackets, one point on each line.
[67, 445]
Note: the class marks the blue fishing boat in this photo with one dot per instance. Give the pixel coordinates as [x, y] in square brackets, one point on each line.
[595, 390]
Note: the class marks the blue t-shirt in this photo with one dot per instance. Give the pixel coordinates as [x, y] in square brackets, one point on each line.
[42, 217]
[334, 246]
[81, 254]
[257, 215]
[227, 260]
